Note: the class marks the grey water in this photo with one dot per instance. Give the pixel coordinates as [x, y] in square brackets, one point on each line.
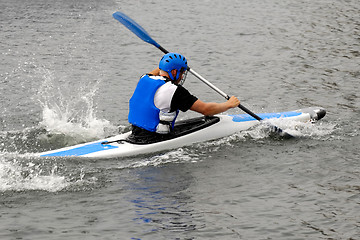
[68, 70]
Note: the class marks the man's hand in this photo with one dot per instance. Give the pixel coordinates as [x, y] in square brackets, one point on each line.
[233, 102]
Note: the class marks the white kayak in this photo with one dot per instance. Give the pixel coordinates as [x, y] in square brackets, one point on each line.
[185, 133]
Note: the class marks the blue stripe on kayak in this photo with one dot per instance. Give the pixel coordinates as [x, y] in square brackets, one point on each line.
[246, 117]
[86, 149]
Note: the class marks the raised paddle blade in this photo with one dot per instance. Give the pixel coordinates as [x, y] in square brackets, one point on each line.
[135, 28]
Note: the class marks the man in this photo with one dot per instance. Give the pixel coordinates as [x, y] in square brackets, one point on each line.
[159, 96]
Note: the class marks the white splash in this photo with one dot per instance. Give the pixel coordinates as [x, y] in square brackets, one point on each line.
[316, 130]
[68, 108]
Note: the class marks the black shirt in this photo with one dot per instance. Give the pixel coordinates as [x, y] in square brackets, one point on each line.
[182, 100]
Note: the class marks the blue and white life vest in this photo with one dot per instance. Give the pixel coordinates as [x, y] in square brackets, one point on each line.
[143, 113]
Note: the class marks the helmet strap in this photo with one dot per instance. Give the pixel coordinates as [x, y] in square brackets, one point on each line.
[178, 72]
[172, 76]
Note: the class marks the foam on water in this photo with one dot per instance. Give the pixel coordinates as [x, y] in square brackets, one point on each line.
[15, 176]
[27, 172]
[318, 131]
[174, 156]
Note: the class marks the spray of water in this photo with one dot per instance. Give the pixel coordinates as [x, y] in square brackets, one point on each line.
[68, 109]
[68, 117]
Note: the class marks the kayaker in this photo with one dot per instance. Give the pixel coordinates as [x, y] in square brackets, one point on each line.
[158, 97]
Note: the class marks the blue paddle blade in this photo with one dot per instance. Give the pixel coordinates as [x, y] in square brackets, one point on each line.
[135, 28]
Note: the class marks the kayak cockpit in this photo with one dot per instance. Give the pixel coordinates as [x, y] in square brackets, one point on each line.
[181, 128]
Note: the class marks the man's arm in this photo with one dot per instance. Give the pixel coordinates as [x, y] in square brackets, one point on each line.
[212, 108]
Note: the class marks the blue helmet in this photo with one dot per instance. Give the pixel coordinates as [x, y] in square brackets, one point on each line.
[171, 61]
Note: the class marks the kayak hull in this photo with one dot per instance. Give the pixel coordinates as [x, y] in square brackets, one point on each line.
[225, 125]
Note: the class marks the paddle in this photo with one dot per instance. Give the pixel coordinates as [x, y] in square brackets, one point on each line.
[142, 34]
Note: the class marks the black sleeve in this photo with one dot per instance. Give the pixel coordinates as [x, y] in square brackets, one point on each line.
[182, 100]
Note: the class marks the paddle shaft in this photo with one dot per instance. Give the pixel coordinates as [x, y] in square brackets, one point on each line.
[216, 89]
[227, 97]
